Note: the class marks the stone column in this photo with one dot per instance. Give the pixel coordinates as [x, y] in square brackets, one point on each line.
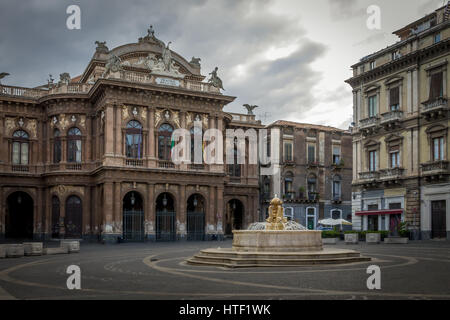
[181, 213]
[117, 222]
[2, 213]
[220, 212]
[118, 131]
[210, 214]
[86, 212]
[108, 212]
[150, 217]
[109, 131]
[38, 208]
[151, 135]
[89, 138]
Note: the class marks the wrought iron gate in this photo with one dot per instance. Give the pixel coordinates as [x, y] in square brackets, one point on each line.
[165, 226]
[195, 226]
[133, 225]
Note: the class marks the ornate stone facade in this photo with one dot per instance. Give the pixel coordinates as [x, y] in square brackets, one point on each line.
[400, 134]
[76, 174]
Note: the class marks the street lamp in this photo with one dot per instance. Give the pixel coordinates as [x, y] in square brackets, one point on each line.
[164, 201]
[195, 201]
[133, 200]
[19, 199]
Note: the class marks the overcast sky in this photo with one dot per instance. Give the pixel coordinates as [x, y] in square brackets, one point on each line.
[289, 57]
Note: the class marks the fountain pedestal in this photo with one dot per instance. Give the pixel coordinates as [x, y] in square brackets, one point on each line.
[276, 241]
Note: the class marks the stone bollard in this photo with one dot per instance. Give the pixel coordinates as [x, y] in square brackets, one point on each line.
[14, 250]
[33, 248]
[373, 238]
[72, 246]
[351, 238]
[2, 251]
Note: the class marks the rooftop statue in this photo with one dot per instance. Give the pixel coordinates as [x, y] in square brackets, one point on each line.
[112, 65]
[250, 109]
[215, 80]
[151, 32]
[101, 47]
[2, 75]
[64, 78]
[195, 61]
[167, 57]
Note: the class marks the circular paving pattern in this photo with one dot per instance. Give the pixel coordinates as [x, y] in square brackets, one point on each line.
[158, 271]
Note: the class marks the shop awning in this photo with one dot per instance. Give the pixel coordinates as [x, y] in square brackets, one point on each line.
[378, 212]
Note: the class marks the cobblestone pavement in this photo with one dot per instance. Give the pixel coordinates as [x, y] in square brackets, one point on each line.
[418, 270]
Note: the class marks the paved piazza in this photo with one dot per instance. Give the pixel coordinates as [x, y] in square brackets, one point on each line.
[419, 270]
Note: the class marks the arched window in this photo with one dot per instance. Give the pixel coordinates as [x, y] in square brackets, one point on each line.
[56, 146]
[235, 168]
[165, 141]
[20, 148]
[288, 188]
[133, 140]
[74, 145]
[196, 131]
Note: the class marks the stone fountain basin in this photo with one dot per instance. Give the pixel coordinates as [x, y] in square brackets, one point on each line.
[277, 240]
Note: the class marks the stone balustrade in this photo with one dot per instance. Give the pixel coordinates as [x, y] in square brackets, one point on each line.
[129, 76]
[391, 173]
[369, 175]
[435, 104]
[435, 167]
[369, 122]
[391, 116]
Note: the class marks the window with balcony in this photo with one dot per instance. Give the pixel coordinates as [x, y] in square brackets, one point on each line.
[165, 142]
[312, 184]
[74, 145]
[288, 152]
[436, 86]
[336, 188]
[288, 188]
[234, 169]
[196, 132]
[373, 159]
[336, 155]
[394, 159]
[394, 99]
[57, 148]
[311, 153]
[372, 104]
[20, 148]
[133, 140]
[372, 65]
[438, 149]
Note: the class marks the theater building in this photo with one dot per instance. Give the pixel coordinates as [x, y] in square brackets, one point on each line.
[90, 157]
[400, 135]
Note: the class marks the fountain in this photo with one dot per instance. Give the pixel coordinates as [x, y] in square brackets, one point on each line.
[275, 242]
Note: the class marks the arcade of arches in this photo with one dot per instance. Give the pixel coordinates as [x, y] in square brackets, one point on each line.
[127, 212]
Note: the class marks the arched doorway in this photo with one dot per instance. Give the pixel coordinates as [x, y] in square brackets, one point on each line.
[55, 217]
[165, 218]
[196, 218]
[74, 218]
[133, 217]
[235, 216]
[19, 217]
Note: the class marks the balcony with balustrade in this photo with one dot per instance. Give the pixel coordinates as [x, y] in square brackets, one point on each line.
[392, 175]
[368, 179]
[125, 75]
[369, 125]
[435, 108]
[435, 169]
[391, 120]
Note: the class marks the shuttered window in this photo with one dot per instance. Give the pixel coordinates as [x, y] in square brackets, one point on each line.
[436, 87]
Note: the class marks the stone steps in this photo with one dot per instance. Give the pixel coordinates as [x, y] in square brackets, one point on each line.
[230, 259]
